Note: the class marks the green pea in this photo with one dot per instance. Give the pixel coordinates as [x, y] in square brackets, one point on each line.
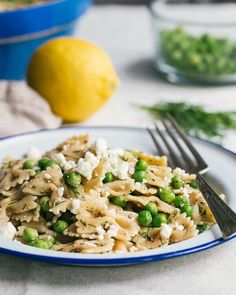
[167, 195]
[44, 163]
[118, 200]
[176, 182]
[159, 219]
[180, 201]
[109, 177]
[152, 208]
[139, 176]
[194, 184]
[72, 179]
[67, 217]
[141, 165]
[44, 203]
[202, 227]
[30, 234]
[40, 244]
[59, 226]
[187, 209]
[29, 164]
[204, 54]
[50, 242]
[145, 218]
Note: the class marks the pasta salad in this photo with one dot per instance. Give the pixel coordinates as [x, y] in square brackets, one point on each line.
[88, 198]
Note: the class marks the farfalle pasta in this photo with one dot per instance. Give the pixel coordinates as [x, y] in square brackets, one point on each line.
[88, 198]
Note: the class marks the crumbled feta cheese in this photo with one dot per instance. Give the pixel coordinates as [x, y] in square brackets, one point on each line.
[60, 191]
[122, 170]
[115, 164]
[112, 211]
[7, 230]
[131, 168]
[61, 158]
[75, 205]
[166, 231]
[100, 237]
[185, 192]
[113, 230]
[100, 146]
[116, 151]
[67, 165]
[180, 172]
[100, 230]
[34, 153]
[87, 164]
[180, 227]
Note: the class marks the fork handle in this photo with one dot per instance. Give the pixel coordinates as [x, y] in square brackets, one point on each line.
[224, 215]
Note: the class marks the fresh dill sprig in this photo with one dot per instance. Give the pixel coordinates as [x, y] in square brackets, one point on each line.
[194, 119]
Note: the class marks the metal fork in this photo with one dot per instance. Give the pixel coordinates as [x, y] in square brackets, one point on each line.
[181, 153]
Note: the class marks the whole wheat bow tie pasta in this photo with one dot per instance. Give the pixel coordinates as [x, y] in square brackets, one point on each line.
[88, 198]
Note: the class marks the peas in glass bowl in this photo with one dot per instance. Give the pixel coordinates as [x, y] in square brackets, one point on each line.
[193, 45]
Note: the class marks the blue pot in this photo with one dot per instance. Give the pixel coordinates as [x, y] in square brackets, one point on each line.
[23, 30]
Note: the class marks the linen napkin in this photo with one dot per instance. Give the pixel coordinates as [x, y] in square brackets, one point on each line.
[22, 109]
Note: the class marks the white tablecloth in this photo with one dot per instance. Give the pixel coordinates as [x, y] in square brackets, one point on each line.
[125, 33]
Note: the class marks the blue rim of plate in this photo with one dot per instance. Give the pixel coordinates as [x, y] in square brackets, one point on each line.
[118, 260]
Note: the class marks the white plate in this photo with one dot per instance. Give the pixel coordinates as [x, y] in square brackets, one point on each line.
[221, 175]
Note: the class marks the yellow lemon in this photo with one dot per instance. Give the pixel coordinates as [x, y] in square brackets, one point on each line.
[73, 75]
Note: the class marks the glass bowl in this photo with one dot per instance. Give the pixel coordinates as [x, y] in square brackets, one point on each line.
[195, 41]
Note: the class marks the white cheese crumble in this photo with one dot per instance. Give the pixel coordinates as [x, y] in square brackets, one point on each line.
[87, 164]
[116, 151]
[112, 211]
[100, 232]
[60, 191]
[7, 230]
[185, 192]
[75, 205]
[180, 172]
[34, 153]
[113, 230]
[180, 227]
[122, 170]
[116, 165]
[100, 146]
[166, 231]
[67, 165]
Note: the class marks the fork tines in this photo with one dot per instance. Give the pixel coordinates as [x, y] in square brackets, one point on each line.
[173, 143]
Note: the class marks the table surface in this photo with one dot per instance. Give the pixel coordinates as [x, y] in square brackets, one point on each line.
[125, 33]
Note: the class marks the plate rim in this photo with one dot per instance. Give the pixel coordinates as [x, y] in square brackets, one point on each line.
[117, 260]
